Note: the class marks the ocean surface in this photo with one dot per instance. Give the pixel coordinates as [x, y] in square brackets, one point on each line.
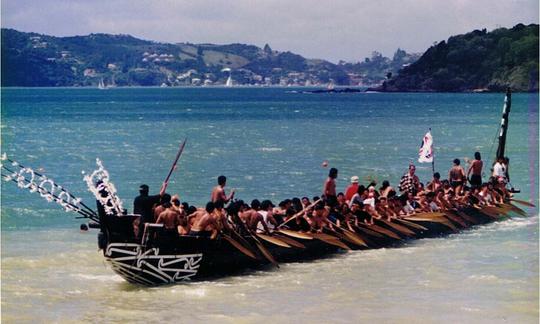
[270, 143]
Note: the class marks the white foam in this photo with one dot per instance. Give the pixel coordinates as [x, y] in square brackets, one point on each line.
[102, 278]
[270, 149]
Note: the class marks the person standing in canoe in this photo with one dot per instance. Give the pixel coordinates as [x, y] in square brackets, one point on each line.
[474, 174]
[329, 189]
[218, 193]
[456, 175]
[409, 182]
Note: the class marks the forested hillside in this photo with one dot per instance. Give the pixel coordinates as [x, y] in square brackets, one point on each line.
[476, 61]
[30, 59]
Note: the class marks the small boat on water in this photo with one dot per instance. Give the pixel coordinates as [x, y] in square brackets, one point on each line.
[101, 85]
[160, 257]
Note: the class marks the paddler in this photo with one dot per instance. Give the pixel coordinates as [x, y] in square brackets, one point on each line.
[351, 189]
[409, 182]
[205, 223]
[268, 218]
[169, 217]
[474, 173]
[218, 192]
[329, 189]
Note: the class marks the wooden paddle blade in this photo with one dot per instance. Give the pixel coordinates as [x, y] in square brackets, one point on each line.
[523, 202]
[273, 240]
[401, 229]
[304, 236]
[456, 219]
[290, 241]
[490, 211]
[355, 238]
[367, 231]
[332, 240]
[369, 242]
[411, 224]
[467, 217]
[515, 209]
[239, 246]
[385, 231]
[440, 220]
[266, 253]
[429, 215]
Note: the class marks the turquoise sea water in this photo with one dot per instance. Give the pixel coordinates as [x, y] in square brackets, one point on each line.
[270, 143]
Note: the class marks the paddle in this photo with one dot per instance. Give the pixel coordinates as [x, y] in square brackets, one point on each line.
[246, 244]
[367, 231]
[348, 235]
[492, 212]
[180, 150]
[515, 209]
[410, 224]
[523, 202]
[273, 240]
[400, 229]
[455, 218]
[299, 213]
[265, 251]
[238, 246]
[382, 230]
[440, 220]
[466, 217]
[329, 239]
[304, 236]
[289, 241]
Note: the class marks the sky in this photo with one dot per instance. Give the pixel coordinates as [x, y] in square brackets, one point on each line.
[333, 30]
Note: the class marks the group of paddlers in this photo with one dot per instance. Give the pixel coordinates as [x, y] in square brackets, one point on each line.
[359, 204]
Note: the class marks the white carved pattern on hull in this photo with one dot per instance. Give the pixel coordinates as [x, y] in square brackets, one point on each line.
[134, 264]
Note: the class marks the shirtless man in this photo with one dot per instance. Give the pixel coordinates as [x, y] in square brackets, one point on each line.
[475, 171]
[220, 216]
[206, 224]
[319, 218]
[166, 198]
[253, 218]
[329, 189]
[169, 217]
[218, 193]
[456, 175]
[435, 184]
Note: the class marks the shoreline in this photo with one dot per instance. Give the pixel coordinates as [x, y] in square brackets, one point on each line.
[361, 89]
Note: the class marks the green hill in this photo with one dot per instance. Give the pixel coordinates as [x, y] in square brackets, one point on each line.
[476, 61]
[30, 59]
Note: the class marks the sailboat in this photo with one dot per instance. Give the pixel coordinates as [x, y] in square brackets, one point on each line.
[101, 85]
[229, 82]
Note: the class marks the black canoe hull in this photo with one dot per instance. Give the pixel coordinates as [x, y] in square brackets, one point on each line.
[166, 259]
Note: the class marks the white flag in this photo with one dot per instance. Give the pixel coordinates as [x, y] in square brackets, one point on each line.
[426, 150]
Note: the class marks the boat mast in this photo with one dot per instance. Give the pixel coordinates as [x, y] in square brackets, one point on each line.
[504, 124]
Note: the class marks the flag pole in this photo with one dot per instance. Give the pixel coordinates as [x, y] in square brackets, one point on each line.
[432, 161]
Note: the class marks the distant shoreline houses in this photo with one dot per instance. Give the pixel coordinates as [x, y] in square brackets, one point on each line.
[476, 61]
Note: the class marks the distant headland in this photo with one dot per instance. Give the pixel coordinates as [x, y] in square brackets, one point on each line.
[478, 61]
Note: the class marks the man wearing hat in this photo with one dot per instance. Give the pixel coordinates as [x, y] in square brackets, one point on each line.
[143, 204]
[351, 189]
